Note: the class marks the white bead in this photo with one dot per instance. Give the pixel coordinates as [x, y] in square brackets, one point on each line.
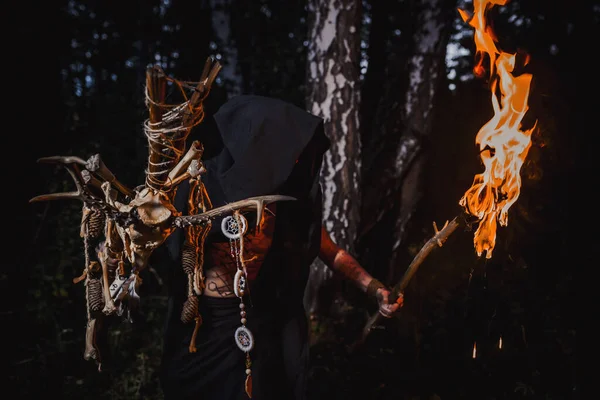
[248, 372]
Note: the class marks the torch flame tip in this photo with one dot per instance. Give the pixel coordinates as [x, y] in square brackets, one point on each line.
[495, 190]
[465, 15]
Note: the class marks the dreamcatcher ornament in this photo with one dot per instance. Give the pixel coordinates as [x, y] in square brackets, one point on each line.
[234, 227]
[123, 226]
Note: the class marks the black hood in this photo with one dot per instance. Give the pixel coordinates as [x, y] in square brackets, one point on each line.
[263, 140]
[269, 147]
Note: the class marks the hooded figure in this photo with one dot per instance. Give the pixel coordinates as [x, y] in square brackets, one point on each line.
[268, 147]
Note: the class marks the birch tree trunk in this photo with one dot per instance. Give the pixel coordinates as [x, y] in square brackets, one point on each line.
[333, 94]
[395, 154]
[221, 23]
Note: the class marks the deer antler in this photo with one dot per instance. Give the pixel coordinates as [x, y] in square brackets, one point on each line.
[83, 182]
[257, 203]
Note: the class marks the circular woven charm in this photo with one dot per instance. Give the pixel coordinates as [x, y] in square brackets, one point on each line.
[239, 283]
[230, 227]
[244, 339]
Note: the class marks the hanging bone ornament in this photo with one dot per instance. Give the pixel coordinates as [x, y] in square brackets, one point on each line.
[91, 347]
[124, 226]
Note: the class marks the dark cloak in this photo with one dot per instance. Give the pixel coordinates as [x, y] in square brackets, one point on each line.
[269, 147]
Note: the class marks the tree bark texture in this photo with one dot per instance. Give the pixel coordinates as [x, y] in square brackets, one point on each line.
[395, 154]
[333, 94]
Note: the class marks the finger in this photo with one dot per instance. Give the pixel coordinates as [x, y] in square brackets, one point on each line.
[400, 300]
[384, 296]
[387, 310]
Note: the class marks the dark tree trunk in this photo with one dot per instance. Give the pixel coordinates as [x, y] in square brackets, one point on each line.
[221, 23]
[395, 153]
[332, 93]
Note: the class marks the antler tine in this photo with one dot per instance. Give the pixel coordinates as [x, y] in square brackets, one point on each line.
[260, 208]
[62, 160]
[81, 181]
[93, 164]
[79, 194]
[253, 202]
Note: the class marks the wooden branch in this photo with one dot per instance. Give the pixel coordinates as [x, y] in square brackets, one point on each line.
[96, 165]
[171, 127]
[209, 74]
[156, 86]
[436, 241]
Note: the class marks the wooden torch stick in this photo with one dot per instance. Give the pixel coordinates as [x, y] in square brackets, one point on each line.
[437, 240]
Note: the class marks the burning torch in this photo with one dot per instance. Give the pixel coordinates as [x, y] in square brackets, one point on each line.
[503, 148]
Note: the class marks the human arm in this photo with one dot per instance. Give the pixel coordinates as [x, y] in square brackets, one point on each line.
[342, 262]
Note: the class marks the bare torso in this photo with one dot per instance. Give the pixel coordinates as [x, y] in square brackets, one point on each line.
[219, 276]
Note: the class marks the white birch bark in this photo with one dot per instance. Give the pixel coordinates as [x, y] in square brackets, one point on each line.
[333, 94]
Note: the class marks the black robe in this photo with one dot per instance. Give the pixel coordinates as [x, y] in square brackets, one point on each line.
[269, 147]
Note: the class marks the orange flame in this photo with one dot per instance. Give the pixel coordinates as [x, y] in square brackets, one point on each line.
[503, 146]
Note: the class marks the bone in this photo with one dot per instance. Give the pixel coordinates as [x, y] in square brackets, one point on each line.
[96, 165]
[194, 170]
[109, 304]
[80, 277]
[113, 240]
[91, 351]
[91, 270]
[194, 153]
